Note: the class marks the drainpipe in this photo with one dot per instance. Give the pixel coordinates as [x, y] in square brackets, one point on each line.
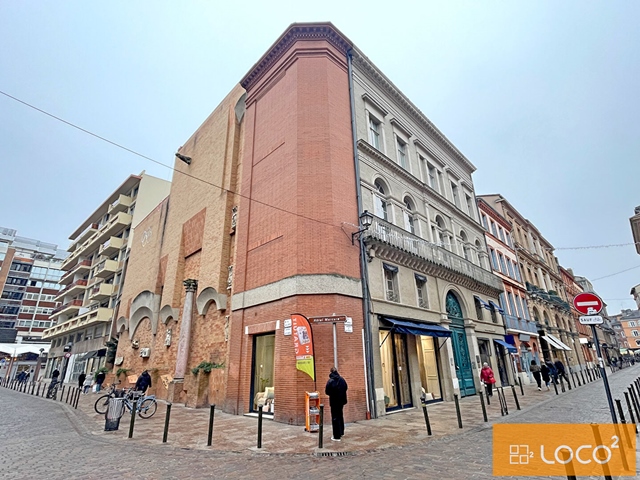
[371, 407]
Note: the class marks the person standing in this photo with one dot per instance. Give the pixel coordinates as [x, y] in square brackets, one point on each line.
[337, 390]
[81, 379]
[535, 370]
[487, 377]
[99, 380]
[144, 382]
[87, 383]
[546, 375]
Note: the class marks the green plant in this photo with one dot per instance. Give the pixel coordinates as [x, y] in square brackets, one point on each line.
[122, 371]
[206, 367]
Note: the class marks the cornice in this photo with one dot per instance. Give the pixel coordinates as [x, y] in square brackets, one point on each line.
[376, 76]
[295, 32]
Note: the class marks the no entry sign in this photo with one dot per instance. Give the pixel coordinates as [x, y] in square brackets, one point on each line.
[588, 303]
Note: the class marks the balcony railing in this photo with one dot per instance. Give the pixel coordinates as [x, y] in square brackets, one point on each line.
[536, 292]
[401, 239]
[72, 303]
[78, 283]
[515, 323]
[80, 266]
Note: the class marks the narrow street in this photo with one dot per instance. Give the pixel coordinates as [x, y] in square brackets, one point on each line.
[44, 439]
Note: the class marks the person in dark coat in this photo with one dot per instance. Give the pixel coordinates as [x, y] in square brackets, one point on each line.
[535, 370]
[561, 370]
[144, 382]
[81, 379]
[546, 375]
[99, 380]
[337, 390]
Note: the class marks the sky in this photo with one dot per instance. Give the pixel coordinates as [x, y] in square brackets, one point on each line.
[542, 97]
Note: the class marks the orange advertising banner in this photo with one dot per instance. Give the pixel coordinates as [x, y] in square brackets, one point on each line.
[303, 344]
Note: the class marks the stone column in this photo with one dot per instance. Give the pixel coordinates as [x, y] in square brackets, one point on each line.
[185, 330]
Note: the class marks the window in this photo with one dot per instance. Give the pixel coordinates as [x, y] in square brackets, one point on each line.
[391, 282]
[465, 246]
[381, 206]
[421, 290]
[632, 323]
[503, 268]
[478, 306]
[494, 260]
[402, 153]
[507, 236]
[501, 233]
[638, 342]
[525, 307]
[512, 305]
[469, 205]
[521, 312]
[493, 229]
[432, 173]
[517, 271]
[409, 221]
[374, 132]
[635, 333]
[454, 193]
[484, 221]
[510, 267]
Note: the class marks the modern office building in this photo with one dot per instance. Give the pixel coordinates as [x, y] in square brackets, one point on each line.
[94, 272]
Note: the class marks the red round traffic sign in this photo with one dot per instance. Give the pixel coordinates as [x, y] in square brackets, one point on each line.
[588, 303]
[67, 355]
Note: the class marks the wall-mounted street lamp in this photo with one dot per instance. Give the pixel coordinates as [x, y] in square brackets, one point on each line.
[184, 158]
[366, 219]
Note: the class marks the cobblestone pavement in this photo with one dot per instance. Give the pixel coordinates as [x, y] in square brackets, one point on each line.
[45, 439]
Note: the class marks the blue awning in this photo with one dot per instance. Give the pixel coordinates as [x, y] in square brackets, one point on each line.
[483, 304]
[510, 348]
[497, 307]
[415, 328]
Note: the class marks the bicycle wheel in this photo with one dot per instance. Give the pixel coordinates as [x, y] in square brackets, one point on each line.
[102, 404]
[147, 408]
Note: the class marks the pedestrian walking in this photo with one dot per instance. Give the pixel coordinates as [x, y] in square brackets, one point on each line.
[54, 381]
[546, 375]
[143, 382]
[337, 390]
[487, 377]
[535, 370]
[81, 379]
[561, 370]
[99, 380]
[86, 384]
[552, 371]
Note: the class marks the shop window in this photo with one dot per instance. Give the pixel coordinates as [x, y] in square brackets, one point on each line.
[429, 371]
[263, 371]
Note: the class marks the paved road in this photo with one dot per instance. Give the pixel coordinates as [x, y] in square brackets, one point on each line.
[42, 439]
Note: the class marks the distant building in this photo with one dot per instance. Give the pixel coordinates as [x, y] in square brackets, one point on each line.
[635, 228]
[94, 272]
[629, 320]
[29, 275]
[635, 292]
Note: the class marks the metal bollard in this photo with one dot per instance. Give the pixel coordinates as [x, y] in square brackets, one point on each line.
[582, 375]
[38, 391]
[67, 399]
[634, 401]
[484, 409]
[620, 412]
[488, 396]
[562, 384]
[134, 410]
[33, 388]
[555, 385]
[633, 418]
[166, 425]
[426, 418]
[568, 465]
[77, 399]
[504, 400]
[212, 412]
[260, 426]
[62, 394]
[321, 427]
[521, 389]
[455, 398]
[515, 397]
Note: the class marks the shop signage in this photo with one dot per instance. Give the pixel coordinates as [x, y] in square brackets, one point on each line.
[303, 345]
[287, 327]
[331, 319]
[590, 320]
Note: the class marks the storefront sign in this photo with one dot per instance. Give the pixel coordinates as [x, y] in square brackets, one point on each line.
[348, 325]
[303, 345]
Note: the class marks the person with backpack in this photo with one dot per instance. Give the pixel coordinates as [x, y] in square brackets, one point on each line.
[487, 377]
[535, 370]
[144, 382]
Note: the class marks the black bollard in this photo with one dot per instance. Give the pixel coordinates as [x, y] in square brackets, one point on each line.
[166, 426]
[620, 412]
[634, 401]
[62, 394]
[504, 400]
[260, 426]
[321, 427]
[484, 410]
[573, 377]
[33, 388]
[568, 382]
[77, 399]
[38, 391]
[633, 418]
[212, 413]
[568, 465]
[555, 385]
[455, 398]
[426, 418]
[562, 384]
[521, 389]
[583, 380]
[134, 410]
[515, 397]
[486, 391]
[67, 399]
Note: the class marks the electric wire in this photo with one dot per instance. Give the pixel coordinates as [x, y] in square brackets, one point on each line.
[115, 144]
[617, 273]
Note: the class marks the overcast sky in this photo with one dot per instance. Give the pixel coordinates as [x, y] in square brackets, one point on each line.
[541, 96]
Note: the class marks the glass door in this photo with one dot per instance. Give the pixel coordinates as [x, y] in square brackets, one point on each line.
[429, 376]
[395, 371]
[262, 387]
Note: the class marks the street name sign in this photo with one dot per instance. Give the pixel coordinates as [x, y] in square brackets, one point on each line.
[590, 320]
[588, 303]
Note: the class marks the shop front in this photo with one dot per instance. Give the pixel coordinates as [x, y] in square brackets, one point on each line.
[263, 372]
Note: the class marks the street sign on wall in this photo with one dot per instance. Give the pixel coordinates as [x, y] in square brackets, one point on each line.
[588, 303]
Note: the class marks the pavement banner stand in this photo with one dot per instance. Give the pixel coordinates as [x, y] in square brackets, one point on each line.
[115, 411]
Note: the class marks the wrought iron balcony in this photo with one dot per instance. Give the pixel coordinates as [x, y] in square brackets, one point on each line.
[399, 238]
[515, 323]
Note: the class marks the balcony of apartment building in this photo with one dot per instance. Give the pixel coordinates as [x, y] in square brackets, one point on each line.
[81, 268]
[551, 297]
[111, 246]
[93, 315]
[121, 204]
[72, 289]
[68, 308]
[384, 235]
[518, 324]
[107, 268]
[75, 247]
[101, 291]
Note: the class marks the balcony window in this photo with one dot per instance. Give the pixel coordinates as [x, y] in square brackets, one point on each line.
[454, 193]
[421, 290]
[381, 206]
[374, 132]
[409, 220]
[512, 305]
[433, 180]
[402, 153]
[469, 205]
[391, 282]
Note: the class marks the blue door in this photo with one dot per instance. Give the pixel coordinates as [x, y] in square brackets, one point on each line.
[461, 356]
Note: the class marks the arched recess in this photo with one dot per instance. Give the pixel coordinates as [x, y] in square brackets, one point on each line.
[146, 304]
[167, 313]
[207, 296]
[121, 324]
[455, 308]
[139, 315]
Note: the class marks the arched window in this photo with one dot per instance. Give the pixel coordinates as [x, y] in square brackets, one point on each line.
[409, 219]
[381, 205]
[465, 245]
[478, 250]
[439, 231]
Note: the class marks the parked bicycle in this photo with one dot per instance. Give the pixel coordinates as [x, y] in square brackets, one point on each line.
[102, 403]
[52, 391]
[146, 406]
